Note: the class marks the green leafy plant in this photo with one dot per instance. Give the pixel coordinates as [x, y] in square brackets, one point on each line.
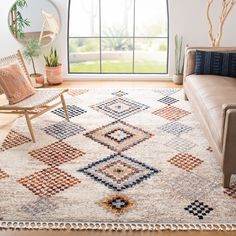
[32, 49]
[17, 22]
[53, 59]
[179, 60]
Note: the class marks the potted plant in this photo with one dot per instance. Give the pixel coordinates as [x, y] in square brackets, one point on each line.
[179, 60]
[53, 68]
[32, 49]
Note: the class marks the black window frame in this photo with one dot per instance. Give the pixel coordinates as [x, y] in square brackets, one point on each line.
[131, 37]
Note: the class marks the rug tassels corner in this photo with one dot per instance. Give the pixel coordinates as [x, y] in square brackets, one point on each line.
[4, 225]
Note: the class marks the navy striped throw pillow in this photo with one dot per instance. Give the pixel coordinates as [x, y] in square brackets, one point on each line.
[215, 63]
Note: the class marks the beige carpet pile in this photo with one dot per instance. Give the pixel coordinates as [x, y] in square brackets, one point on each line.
[127, 160]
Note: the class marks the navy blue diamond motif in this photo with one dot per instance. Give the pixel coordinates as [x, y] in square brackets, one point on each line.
[72, 110]
[168, 100]
[198, 209]
[63, 130]
[119, 172]
[119, 108]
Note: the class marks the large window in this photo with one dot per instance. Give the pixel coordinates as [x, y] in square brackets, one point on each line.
[118, 36]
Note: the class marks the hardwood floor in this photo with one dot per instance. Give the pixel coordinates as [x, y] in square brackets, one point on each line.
[6, 122]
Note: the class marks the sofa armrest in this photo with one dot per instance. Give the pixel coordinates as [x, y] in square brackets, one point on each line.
[229, 140]
[189, 62]
[225, 108]
[228, 106]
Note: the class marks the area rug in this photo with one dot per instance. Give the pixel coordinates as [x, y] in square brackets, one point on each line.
[130, 159]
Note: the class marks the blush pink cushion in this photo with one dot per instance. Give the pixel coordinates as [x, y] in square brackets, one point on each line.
[14, 84]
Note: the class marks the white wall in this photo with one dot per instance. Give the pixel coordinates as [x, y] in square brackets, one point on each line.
[187, 18]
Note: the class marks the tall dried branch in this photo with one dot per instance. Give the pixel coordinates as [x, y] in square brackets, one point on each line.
[210, 2]
[227, 6]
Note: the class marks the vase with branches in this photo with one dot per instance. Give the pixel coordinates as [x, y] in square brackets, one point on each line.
[32, 50]
[227, 6]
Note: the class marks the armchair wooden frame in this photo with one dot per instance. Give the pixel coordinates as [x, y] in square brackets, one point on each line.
[43, 101]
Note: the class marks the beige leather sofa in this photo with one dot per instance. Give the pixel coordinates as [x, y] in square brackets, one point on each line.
[214, 101]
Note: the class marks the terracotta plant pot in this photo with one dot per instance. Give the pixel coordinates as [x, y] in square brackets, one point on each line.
[178, 79]
[37, 80]
[54, 75]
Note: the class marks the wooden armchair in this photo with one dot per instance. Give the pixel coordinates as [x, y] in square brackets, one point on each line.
[39, 103]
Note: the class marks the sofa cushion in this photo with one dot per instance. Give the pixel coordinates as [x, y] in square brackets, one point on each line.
[215, 63]
[15, 86]
[211, 93]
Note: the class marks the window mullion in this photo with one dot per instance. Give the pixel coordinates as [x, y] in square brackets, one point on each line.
[100, 34]
[133, 36]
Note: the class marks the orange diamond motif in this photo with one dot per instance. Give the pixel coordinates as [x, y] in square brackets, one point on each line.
[56, 154]
[119, 136]
[12, 140]
[171, 113]
[48, 182]
[185, 161]
[117, 204]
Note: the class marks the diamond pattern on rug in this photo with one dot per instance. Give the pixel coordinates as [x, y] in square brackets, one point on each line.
[168, 100]
[72, 110]
[185, 161]
[56, 154]
[119, 93]
[12, 140]
[190, 186]
[231, 192]
[119, 108]
[117, 204]
[119, 172]
[175, 128]
[198, 209]
[118, 136]
[168, 91]
[77, 92]
[48, 182]
[180, 144]
[41, 206]
[3, 174]
[63, 130]
[171, 113]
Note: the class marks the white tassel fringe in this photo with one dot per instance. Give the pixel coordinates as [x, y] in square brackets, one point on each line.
[5, 225]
